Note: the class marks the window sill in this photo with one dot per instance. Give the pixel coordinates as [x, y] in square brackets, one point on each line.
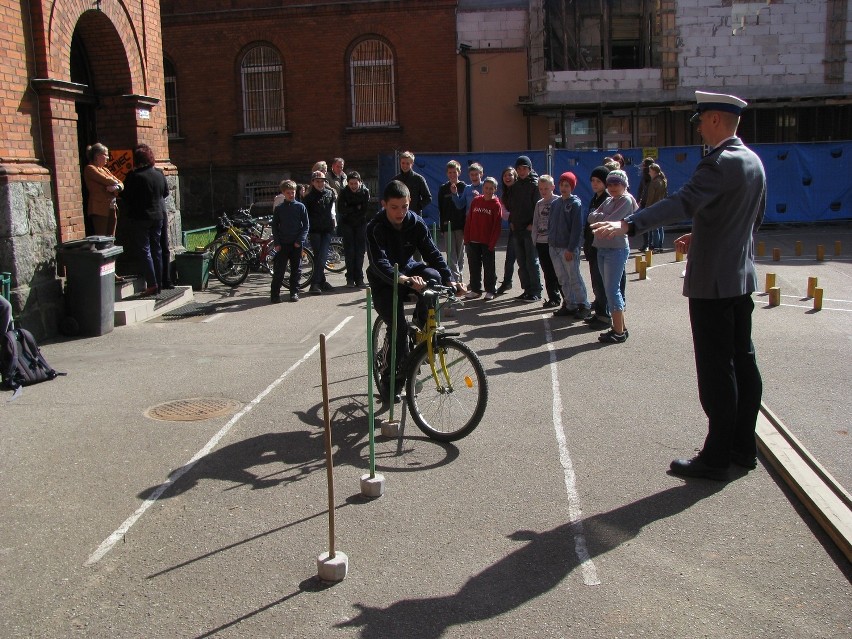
[263, 134]
[373, 129]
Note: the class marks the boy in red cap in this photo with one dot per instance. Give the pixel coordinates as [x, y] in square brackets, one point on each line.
[565, 238]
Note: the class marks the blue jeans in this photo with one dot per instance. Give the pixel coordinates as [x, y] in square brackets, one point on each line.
[319, 245]
[527, 256]
[573, 287]
[611, 262]
[146, 240]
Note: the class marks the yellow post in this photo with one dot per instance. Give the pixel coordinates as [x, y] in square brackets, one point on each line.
[678, 256]
[812, 284]
[820, 252]
[774, 296]
[776, 255]
[798, 247]
[817, 299]
[761, 249]
[639, 259]
[770, 282]
[837, 247]
[643, 269]
[648, 255]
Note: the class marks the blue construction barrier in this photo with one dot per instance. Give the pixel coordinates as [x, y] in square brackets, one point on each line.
[805, 182]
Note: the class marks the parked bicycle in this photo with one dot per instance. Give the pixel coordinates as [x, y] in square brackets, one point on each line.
[446, 389]
[251, 251]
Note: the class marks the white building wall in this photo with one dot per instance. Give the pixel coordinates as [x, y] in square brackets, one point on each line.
[753, 49]
[498, 29]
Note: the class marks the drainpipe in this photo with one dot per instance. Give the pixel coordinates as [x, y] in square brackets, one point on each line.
[463, 51]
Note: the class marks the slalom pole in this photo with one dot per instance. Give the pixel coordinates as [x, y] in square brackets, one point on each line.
[332, 565]
[372, 485]
[371, 413]
[392, 369]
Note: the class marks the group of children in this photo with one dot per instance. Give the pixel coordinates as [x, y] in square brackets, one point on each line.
[316, 215]
[550, 243]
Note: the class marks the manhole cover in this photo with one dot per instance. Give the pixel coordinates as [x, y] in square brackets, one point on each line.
[191, 410]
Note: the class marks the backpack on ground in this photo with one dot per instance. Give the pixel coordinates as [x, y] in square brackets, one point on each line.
[21, 361]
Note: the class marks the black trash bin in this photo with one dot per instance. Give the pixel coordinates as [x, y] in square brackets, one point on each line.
[90, 284]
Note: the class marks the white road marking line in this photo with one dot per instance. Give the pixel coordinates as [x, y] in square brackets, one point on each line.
[212, 318]
[590, 573]
[110, 541]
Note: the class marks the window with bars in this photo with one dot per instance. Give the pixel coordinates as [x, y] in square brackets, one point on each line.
[263, 90]
[372, 89]
[172, 124]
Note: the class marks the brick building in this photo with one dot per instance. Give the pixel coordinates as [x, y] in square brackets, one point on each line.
[74, 73]
[259, 90]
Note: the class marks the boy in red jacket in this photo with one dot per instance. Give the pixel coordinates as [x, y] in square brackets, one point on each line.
[481, 232]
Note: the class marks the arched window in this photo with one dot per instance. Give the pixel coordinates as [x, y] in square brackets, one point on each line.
[372, 89]
[263, 90]
[170, 78]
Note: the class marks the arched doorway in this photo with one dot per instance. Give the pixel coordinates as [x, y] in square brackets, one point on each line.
[105, 111]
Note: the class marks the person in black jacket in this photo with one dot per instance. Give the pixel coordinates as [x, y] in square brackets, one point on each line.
[320, 204]
[144, 193]
[393, 237]
[524, 197]
[353, 206]
[421, 197]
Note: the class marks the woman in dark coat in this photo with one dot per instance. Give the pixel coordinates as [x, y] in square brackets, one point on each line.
[144, 194]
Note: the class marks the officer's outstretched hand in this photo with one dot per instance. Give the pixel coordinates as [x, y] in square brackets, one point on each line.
[682, 243]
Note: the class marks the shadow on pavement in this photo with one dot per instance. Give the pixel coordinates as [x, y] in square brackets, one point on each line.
[537, 567]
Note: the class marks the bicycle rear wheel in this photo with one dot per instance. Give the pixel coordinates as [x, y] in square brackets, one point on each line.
[335, 261]
[231, 264]
[381, 349]
[452, 407]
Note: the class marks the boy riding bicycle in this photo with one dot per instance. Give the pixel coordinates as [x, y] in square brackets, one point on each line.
[393, 237]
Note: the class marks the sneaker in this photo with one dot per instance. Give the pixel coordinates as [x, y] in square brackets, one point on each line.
[505, 286]
[611, 337]
[315, 289]
[583, 313]
[326, 287]
[490, 296]
[522, 296]
[351, 285]
[472, 295]
[294, 297]
[551, 303]
[595, 321]
[360, 284]
[532, 298]
[562, 312]
[275, 299]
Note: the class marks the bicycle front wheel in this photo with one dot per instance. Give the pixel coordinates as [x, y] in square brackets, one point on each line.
[451, 406]
[231, 264]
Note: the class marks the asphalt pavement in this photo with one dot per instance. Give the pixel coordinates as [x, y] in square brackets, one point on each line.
[555, 518]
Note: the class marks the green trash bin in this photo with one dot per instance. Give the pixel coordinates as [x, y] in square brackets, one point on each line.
[90, 284]
[193, 269]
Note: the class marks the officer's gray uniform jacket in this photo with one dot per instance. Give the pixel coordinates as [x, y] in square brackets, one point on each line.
[725, 199]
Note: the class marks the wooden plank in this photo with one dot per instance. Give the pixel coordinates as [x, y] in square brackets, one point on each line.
[816, 488]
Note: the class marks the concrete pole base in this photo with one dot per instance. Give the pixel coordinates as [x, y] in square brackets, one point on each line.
[332, 569]
[372, 486]
[390, 428]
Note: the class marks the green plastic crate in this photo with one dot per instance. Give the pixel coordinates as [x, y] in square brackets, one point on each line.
[197, 239]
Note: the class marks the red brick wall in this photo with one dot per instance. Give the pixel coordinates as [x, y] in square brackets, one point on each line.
[206, 46]
[39, 118]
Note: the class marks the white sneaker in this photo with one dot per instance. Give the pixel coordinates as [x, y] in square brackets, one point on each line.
[490, 296]
[472, 295]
